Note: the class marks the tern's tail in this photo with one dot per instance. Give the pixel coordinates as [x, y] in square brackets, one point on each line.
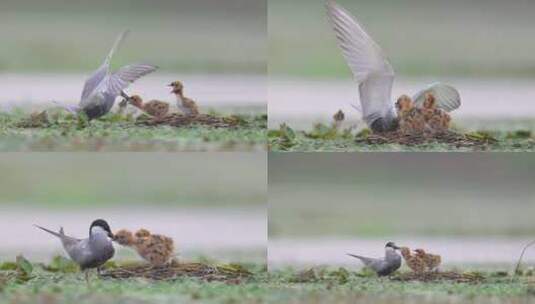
[364, 260]
[59, 234]
[356, 256]
[116, 45]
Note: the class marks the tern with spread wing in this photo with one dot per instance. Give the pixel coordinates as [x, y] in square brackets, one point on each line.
[374, 74]
[102, 87]
[91, 252]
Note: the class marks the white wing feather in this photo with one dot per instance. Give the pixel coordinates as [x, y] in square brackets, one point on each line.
[119, 80]
[369, 66]
[115, 46]
[446, 97]
[96, 78]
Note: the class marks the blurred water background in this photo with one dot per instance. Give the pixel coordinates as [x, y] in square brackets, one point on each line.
[217, 48]
[212, 204]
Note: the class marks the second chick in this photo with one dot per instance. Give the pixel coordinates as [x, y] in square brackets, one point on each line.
[154, 248]
[411, 118]
[436, 120]
[432, 261]
[414, 262]
[154, 108]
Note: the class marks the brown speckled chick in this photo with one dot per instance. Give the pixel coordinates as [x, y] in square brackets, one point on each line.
[414, 262]
[142, 233]
[437, 120]
[411, 120]
[156, 249]
[186, 105]
[154, 108]
[124, 237]
[432, 261]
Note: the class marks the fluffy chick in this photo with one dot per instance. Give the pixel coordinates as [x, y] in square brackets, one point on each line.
[338, 117]
[432, 261]
[186, 105]
[414, 262]
[124, 237]
[154, 108]
[156, 249]
[436, 120]
[411, 119]
[142, 233]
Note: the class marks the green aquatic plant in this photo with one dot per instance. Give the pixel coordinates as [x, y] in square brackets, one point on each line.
[519, 134]
[485, 136]
[61, 264]
[113, 132]
[24, 269]
[327, 138]
[284, 137]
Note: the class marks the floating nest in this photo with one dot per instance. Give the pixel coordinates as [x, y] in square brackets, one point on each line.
[440, 276]
[174, 270]
[180, 120]
[42, 120]
[471, 140]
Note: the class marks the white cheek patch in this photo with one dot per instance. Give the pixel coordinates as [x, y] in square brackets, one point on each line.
[98, 229]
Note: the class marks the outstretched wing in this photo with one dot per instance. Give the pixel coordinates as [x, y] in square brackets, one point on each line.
[367, 62]
[96, 78]
[447, 97]
[93, 81]
[119, 80]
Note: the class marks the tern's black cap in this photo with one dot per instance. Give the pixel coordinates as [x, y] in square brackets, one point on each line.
[102, 224]
[391, 245]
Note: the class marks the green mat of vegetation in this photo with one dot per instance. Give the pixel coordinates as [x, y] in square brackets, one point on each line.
[329, 138]
[120, 133]
[61, 282]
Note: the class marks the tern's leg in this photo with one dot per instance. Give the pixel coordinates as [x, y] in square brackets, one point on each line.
[86, 273]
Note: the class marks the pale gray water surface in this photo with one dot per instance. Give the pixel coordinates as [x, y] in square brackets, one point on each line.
[302, 102]
[454, 251]
[211, 91]
[207, 231]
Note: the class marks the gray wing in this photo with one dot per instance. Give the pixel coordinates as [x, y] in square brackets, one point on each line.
[96, 78]
[93, 81]
[80, 252]
[447, 97]
[367, 62]
[121, 79]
